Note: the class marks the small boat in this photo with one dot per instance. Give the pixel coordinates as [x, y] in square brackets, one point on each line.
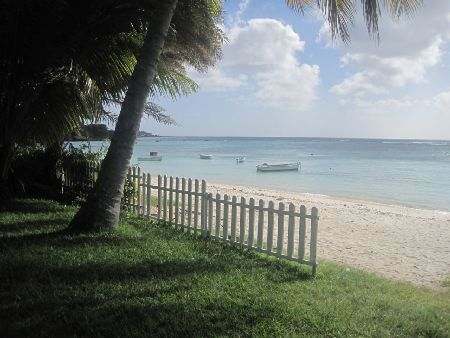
[278, 167]
[205, 156]
[240, 159]
[152, 156]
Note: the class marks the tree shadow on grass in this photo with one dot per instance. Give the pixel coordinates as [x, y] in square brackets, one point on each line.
[139, 314]
[31, 206]
[277, 270]
[32, 225]
[112, 273]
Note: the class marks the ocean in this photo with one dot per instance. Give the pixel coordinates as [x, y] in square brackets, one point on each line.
[413, 173]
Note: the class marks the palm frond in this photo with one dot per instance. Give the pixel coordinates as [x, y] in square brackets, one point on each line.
[158, 113]
[340, 14]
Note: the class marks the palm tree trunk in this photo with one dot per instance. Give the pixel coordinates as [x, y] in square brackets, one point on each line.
[101, 209]
[6, 156]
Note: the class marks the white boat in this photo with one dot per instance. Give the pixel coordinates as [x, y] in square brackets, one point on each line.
[205, 156]
[240, 159]
[152, 156]
[278, 167]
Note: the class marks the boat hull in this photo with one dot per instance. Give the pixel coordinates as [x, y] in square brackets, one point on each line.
[278, 167]
[205, 157]
[151, 158]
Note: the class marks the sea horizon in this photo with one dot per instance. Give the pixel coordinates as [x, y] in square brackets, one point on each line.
[302, 137]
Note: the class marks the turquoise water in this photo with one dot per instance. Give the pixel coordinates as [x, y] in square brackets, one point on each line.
[407, 172]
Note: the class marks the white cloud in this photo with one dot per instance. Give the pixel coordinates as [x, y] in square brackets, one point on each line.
[261, 57]
[442, 102]
[381, 73]
[407, 51]
[217, 80]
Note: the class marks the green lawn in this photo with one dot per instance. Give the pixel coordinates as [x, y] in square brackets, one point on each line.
[147, 279]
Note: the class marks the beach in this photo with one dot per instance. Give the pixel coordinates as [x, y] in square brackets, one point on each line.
[393, 218]
[393, 241]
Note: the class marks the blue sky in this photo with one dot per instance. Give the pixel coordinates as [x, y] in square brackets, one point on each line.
[281, 75]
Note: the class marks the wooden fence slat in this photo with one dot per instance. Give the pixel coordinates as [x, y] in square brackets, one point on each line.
[165, 198]
[171, 199]
[270, 227]
[259, 239]
[218, 216]
[149, 195]
[134, 187]
[203, 209]
[291, 230]
[128, 199]
[196, 190]
[233, 219]
[177, 197]
[251, 222]
[189, 207]
[280, 235]
[313, 239]
[144, 195]
[242, 221]
[210, 214]
[183, 201]
[302, 233]
[225, 217]
[138, 196]
[159, 196]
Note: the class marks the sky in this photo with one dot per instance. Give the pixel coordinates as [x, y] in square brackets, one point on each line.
[281, 74]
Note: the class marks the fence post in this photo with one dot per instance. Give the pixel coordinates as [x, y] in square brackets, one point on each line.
[217, 230]
[144, 195]
[183, 201]
[203, 210]
[134, 187]
[159, 196]
[210, 214]
[302, 233]
[225, 217]
[196, 192]
[251, 222]
[242, 219]
[177, 197]
[165, 198]
[233, 219]
[313, 242]
[149, 195]
[171, 199]
[189, 206]
[138, 191]
[280, 239]
[259, 238]
[291, 230]
[270, 227]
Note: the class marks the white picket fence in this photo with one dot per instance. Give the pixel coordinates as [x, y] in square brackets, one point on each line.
[280, 230]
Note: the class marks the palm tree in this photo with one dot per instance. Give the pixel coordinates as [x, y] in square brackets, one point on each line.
[62, 63]
[101, 210]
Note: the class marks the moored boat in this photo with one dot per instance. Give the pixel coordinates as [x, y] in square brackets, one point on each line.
[265, 167]
[152, 156]
[240, 159]
[205, 156]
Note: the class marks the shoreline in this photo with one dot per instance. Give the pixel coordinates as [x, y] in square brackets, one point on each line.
[333, 197]
[398, 242]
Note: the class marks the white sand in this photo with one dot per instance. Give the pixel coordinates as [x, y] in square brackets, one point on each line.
[390, 240]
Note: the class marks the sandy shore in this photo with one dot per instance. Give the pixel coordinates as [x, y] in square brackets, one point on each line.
[392, 241]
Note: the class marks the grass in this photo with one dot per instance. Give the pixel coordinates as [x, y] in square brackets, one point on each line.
[146, 279]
